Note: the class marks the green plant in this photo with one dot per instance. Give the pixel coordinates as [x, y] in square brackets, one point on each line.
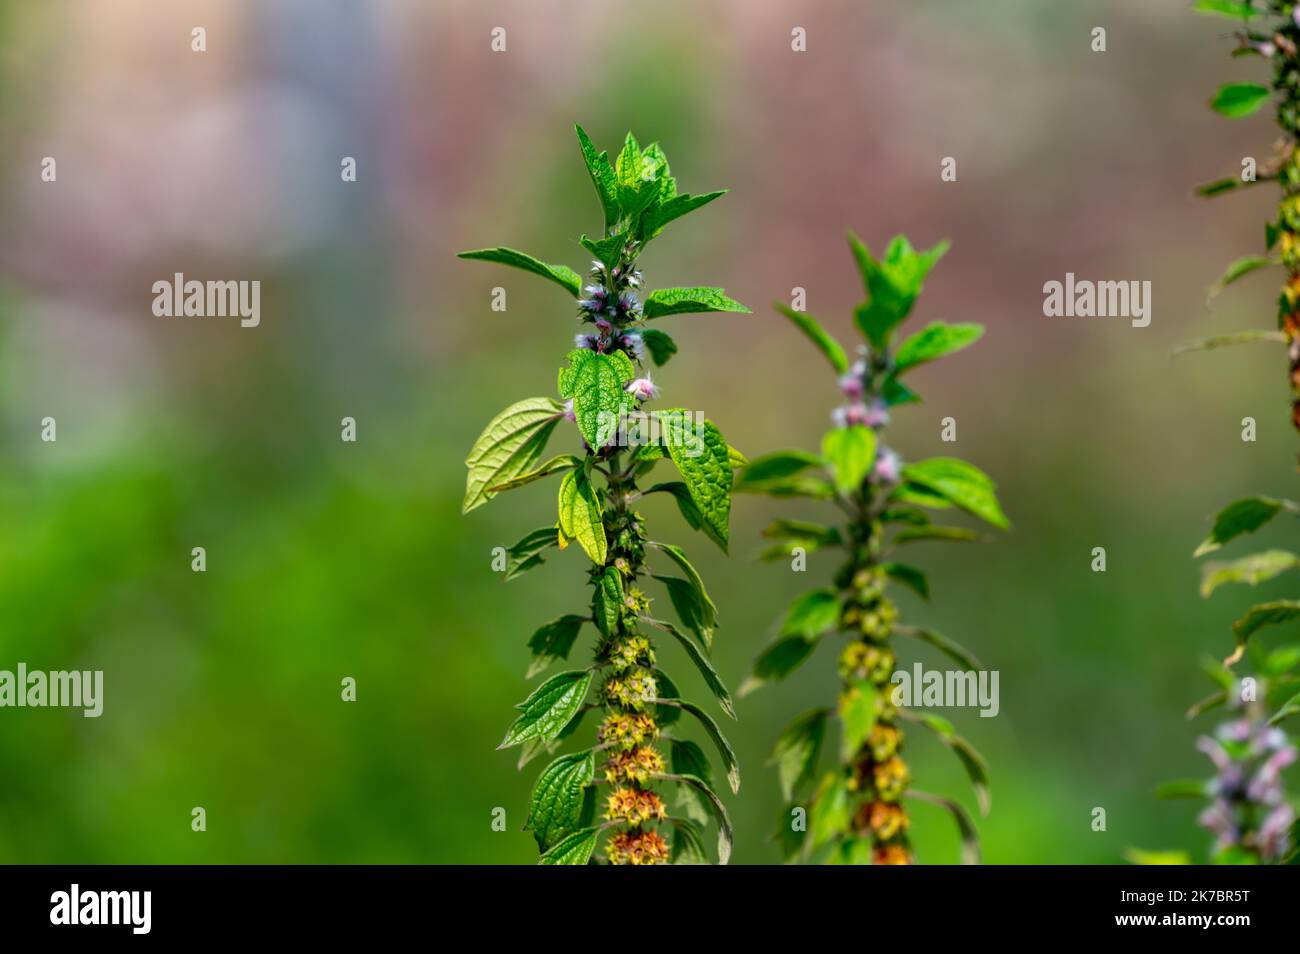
[858, 807]
[1248, 812]
[603, 394]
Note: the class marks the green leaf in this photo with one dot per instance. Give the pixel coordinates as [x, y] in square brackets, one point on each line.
[1232, 9]
[602, 177]
[830, 810]
[635, 180]
[934, 532]
[970, 845]
[689, 609]
[597, 383]
[711, 677]
[548, 710]
[1239, 268]
[1229, 184]
[892, 285]
[687, 758]
[688, 843]
[812, 614]
[1253, 569]
[563, 276]
[952, 650]
[911, 577]
[1183, 788]
[724, 748]
[690, 512]
[581, 516]
[556, 807]
[608, 250]
[680, 301]
[574, 849]
[777, 466]
[557, 463]
[818, 335]
[510, 445]
[702, 458]
[660, 346]
[778, 660]
[961, 483]
[799, 533]
[850, 451]
[725, 835]
[675, 554]
[1265, 614]
[666, 715]
[607, 600]
[1220, 341]
[656, 218]
[857, 708]
[1242, 516]
[554, 641]
[976, 768]
[1236, 100]
[934, 341]
[1289, 708]
[797, 750]
[921, 496]
[527, 553]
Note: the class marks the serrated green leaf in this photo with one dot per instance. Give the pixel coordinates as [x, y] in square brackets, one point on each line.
[1252, 570]
[818, 335]
[510, 445]
[1242, 516]
[687, 758]
[602, 177]
[656, 218]
[857, 709]
[682, 301]
[690, 610]
[934, 532]
[960, 482]
[690, 512]
[597, 383]
[1265, 614]
[527, 553]
[554, 641]
[607, 600]
[921, 496]
[701, 456]
[608, 250]
[676, 554]
[850, 451]
[797, 750]
[550, 707]
[693, 650]
[581, 516]
[555, 810]
[1236, 100]
[660, 346]
[562, 275]
[574, 849]
[934, 341]
[892, 284]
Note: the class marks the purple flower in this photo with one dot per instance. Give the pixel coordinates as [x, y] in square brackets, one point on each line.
[643, 389]
[634, 345]
[877, 415]
[568, 411]
[588, 342]
[852, 386]
[888, 467]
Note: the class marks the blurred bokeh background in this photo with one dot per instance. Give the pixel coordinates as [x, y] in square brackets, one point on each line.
[328, 559]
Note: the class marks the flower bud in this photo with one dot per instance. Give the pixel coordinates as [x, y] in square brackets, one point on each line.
[643, 389]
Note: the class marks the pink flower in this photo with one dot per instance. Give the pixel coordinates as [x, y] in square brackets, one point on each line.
[851, 385]
[643, 389]
[877, 415]
[888, 467]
